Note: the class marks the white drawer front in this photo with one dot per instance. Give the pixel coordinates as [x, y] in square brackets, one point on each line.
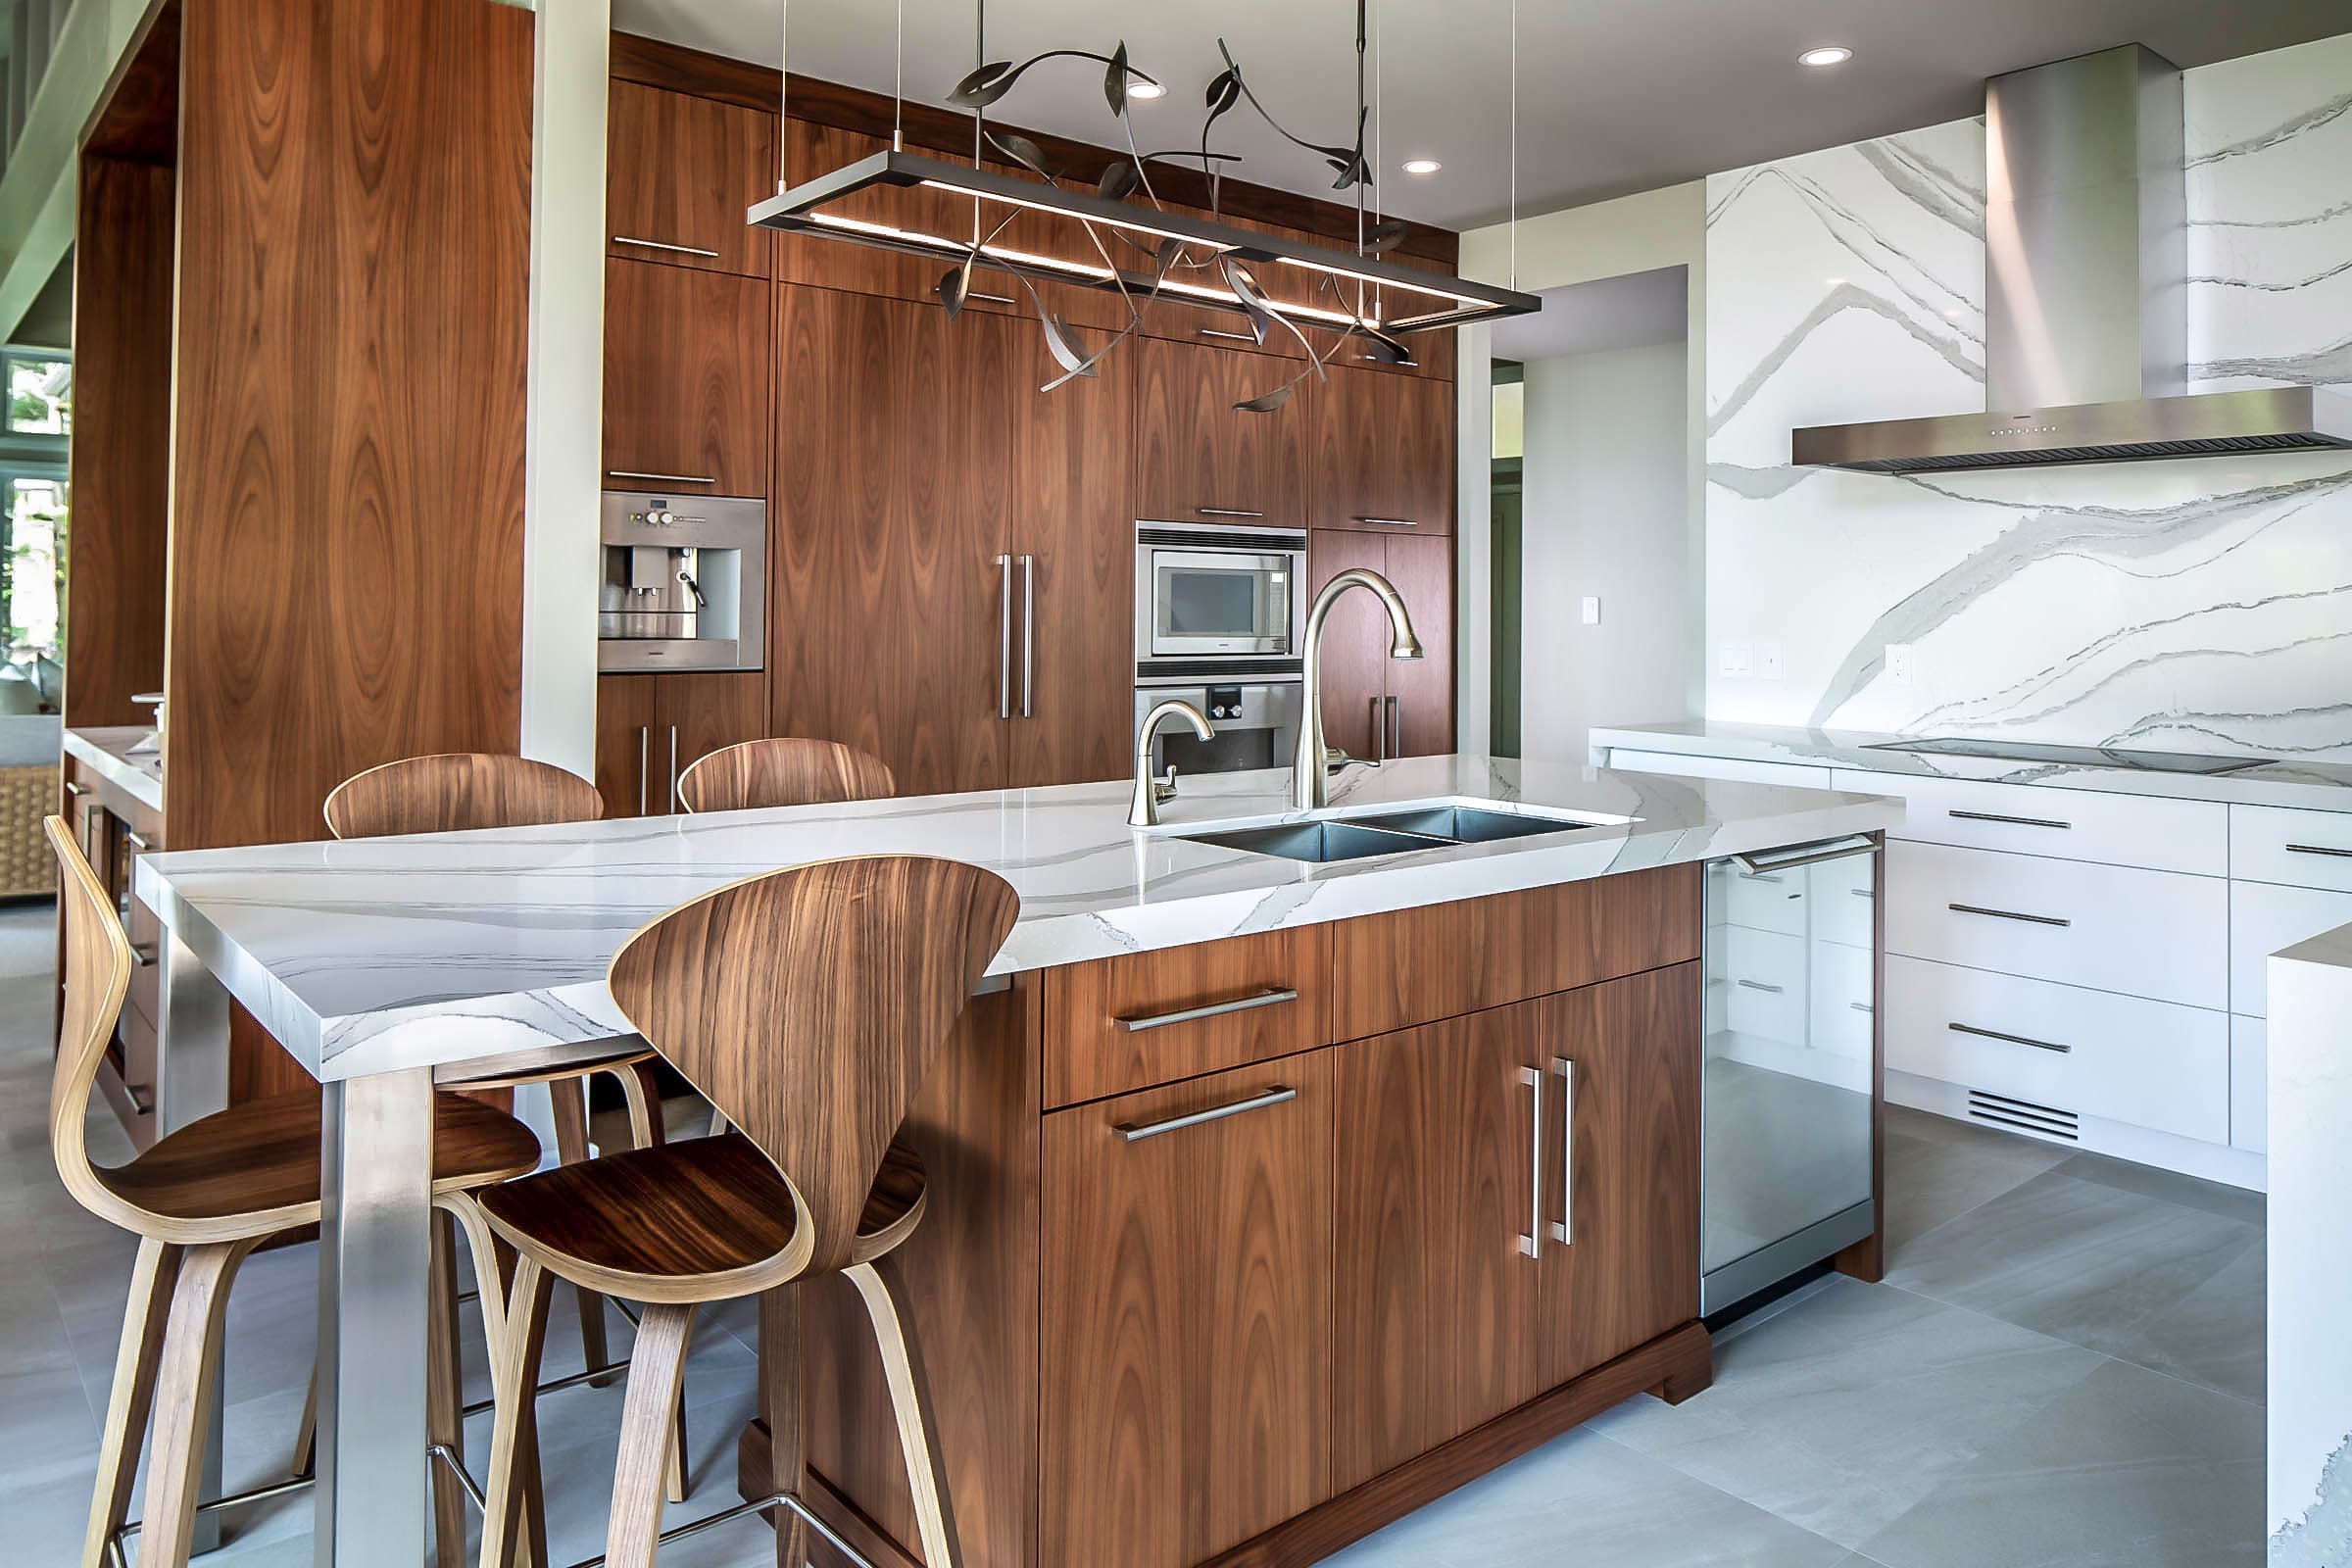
[2115, 928]
[1627, 759]
[2250, 1084]
[2150, 1063]
[1764, 984]
[2163, 835]
[2302, 849]
[2264, 918]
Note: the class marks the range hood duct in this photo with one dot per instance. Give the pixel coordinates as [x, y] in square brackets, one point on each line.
[2085, 297]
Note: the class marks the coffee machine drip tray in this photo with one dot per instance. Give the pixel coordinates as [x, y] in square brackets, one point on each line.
[622, 654]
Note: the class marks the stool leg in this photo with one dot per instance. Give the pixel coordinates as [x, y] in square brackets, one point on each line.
[569, 1097]
[306, 1435]
[512, 1527]
[144, 1317]
[644, 1094]
[906, 1401]
[445, 1420]
[183, 1398]
[656, 1368]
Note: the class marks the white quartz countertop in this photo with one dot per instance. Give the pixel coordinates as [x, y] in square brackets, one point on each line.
[371, 955]
[2319, 785]
[106, 749]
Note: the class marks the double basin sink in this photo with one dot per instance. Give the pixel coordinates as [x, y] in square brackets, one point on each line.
[1400, 831]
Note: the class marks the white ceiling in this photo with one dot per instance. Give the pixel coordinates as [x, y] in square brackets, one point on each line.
[1614, 97]
[1632, 312]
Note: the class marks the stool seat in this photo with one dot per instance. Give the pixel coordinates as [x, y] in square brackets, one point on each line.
[253, 1169]
[705, 1212]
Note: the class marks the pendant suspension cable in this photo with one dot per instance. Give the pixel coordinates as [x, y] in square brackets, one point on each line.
[979, 111]
[1380, 120]
[1514, 143]
[783, 96]
[897, 84]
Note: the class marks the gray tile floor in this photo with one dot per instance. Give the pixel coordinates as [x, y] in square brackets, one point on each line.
[2064, 1367]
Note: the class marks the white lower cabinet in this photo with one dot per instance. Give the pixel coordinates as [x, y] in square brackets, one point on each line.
[2263, 919]
[2060, 1052]
[2250, 1084]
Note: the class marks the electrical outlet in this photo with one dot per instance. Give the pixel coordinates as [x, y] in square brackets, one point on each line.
[1733, 660]
[1591, 610]
[1902, 665]
[1768, 660]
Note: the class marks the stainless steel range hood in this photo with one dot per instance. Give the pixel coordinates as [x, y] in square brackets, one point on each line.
[2086, 313]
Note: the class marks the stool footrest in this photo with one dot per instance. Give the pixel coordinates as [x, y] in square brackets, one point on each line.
[783, 1499]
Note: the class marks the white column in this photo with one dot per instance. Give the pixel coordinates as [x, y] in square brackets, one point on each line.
[1474, 539]
[562, 461]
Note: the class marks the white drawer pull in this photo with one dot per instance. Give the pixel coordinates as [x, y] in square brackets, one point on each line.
[2013, 821]
[2319, 849]
[2008, 914]
[2015, 1040]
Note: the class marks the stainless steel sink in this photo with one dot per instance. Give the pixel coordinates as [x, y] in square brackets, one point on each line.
[1467, 825]
[1319, 841]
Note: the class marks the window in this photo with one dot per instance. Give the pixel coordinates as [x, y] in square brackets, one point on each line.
[39, 393]
[33, 438]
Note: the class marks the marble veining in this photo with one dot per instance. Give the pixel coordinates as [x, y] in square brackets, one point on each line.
[2197, 605]
[364, 954]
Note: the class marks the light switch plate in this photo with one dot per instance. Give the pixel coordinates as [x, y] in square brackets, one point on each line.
[1591, 610]
[1735, 659]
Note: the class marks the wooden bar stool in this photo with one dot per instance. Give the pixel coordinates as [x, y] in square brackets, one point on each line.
[453, 792]
[785, 770]
[199, 1199]
[807, 1003]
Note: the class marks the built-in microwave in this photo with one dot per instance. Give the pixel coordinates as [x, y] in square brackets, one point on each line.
[1224, 594]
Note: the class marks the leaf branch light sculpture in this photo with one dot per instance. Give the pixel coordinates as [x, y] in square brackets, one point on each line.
[1124, 239]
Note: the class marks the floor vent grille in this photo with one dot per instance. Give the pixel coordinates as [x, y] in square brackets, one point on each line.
[2023, 1114]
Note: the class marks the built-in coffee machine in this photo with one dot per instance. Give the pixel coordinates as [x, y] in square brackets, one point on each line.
[685, 582]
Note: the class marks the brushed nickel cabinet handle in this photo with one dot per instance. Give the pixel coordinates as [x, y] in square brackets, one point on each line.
[1134, 1132]
[1380, 735]
[2013, 821]
[2009, 915]
[1392, 522]
[73, 788]
[142, 954]
[1531, 1244]
[1230, 337]
[645, 753]
[1564, 1231]
[1759, 985]
[1003, 636]
[1210, 1009]
[1028, 633]
[2319, 849]
[673, 769]
[669, 479]
[1797, 854]
[138, 841]
[993, 299]
[1394, 745]
[664, 245]
[2015, 1040]
[1227, 511]
[1401, 364]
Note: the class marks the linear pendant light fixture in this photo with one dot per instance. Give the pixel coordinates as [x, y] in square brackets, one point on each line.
[1114, 235]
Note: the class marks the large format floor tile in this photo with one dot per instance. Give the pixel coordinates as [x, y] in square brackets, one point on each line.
[1939, 1169]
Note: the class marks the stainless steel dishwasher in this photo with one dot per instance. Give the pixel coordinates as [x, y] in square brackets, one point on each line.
[1791, 973]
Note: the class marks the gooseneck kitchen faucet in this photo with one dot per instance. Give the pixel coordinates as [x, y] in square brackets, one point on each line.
[1308, 790]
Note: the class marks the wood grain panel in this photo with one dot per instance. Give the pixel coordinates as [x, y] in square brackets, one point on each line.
[1073, 515]
[1626, 1275]
[707, 710]
[659, 64]
[1193, 450]
[1187, 1294]
[681, 172]
[1421, 721]
[348, 446]
[686, 380]
[891, 509]
[1384, 448]
[1435, 1306]
[630, 771]
[1088, 1055]
[120, 471]
[1389, 971]
[137, 114]
[1356, 641]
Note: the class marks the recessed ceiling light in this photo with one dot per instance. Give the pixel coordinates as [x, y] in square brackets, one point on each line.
[1422, 165]
[1833, 55]
[1146, 89]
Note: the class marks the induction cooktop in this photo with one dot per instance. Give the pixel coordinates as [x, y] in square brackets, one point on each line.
[2072, 755]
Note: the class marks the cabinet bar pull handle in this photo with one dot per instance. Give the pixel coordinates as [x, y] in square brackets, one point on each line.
[1862, 893]
[1003, 636]
[1862, 1006]
[673, 478]
[673, 769]
[2015, 821]
[1797, 855]
[1760, 876]
[2316, 849]
[138, 841]
[1230, 337]
[142, 954]
[993, 299]
[1380, 735]
[1394, 745]
[1028, 631]
[1208, 1010]
[1392, 522]
[73, 788]
[1227, 511]
[141, 1104]
[664, 245]
[2009, 915]
[1532, 1243]
[1565, 1231]
[1759, 985]
[1401, 364]
[1133, 1132]
[2015, 1040]
[645, 752]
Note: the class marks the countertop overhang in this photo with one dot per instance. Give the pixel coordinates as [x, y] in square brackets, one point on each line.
[367, 956]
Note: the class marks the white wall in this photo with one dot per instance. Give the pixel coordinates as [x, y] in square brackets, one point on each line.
[1606, 506]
